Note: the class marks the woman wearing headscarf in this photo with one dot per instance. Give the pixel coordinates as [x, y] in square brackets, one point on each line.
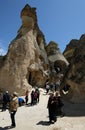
[52, 108]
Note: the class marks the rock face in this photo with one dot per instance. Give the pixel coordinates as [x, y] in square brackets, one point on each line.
[57, 61]
[75, 76]
[27, 62]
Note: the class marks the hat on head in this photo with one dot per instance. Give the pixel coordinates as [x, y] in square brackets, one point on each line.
[6, 91]
[51, 93]
[15, 93]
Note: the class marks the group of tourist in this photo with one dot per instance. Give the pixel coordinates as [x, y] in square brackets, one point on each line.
[11, 103]
[54, 104]
[35, 95]
[52, 86]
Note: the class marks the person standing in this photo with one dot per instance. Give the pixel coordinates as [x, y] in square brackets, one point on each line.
[47, 87]
[26, 96]
[13, 108]
[60, 104]
[38, 94]
[32, 97]
[6, 100]
[57, 85]
[51, 105]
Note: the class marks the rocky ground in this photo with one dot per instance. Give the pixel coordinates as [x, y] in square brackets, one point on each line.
[36, 117]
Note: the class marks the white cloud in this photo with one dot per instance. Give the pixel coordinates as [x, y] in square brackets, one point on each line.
[2, 50]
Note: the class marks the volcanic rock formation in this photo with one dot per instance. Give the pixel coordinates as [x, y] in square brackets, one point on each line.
[75, 75]
[27, 64]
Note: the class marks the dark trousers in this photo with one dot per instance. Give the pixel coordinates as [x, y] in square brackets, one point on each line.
[26, 99]
[52, 115]
[4, 106]
[13, 118]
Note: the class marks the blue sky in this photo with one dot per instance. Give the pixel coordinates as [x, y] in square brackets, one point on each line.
[59, 20]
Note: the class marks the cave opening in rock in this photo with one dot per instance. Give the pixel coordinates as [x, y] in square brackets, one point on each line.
[30, 75]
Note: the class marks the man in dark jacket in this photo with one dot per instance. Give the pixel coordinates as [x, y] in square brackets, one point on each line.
[6, 100]
[52, 108]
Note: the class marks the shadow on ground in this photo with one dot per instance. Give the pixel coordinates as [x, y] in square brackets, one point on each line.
[2, 128]
[46, 123]
[6, 128]
[74, 109]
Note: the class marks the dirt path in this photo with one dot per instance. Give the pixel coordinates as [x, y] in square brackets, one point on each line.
[36, 117]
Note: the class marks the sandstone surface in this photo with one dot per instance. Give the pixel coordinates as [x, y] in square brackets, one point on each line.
[26, 63]
[75, 74]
